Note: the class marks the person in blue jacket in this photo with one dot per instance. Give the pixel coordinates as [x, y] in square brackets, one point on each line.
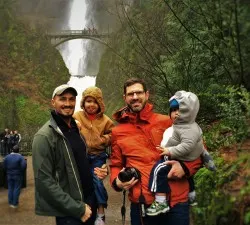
[14, 165]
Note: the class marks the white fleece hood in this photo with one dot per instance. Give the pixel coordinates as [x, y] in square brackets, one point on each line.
[188, 106]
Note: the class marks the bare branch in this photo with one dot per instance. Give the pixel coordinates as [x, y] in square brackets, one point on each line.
[238, 41]
[197, 38]
[148, 54]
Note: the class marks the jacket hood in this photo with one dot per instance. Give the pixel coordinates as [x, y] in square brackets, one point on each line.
[188, 106]
[96, 93]
[125, 114]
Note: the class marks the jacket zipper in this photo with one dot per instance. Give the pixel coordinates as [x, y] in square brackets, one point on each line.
[78, 185]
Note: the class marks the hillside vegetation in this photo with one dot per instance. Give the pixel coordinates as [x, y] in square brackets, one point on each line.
[30, 68]
[203, 47]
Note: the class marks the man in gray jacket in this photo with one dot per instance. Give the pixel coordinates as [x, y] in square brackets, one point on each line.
[63, 180]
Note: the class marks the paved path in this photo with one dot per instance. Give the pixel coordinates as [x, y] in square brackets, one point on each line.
[24, 214]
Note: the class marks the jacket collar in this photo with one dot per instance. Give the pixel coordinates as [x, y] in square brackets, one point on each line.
[98, 115]
[125, 114]
[58, 123]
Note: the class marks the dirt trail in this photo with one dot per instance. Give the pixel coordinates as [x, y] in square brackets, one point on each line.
[24, 214]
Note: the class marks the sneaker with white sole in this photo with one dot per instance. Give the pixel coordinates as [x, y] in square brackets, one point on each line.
[157, 208]
[99, 220]
[193, 203]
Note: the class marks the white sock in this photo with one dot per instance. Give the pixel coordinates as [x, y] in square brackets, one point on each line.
[100, 215]
[160, 198]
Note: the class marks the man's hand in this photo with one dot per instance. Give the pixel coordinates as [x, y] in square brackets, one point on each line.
[176, 170]
[126, 185]
[87, 213]
[164, 151]
[102, 172]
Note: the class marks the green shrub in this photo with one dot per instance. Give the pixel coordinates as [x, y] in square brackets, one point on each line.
[231, 126]
[216, 204]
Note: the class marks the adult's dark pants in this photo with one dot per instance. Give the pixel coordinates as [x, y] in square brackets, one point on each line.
[14, 188]
[1, 148]
[178, 215]
[69, 220]
[4, 149]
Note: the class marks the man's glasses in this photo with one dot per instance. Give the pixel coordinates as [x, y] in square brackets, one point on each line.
[138, 93]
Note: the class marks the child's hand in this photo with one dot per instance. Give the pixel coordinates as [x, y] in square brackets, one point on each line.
[101, 172]
[164, 151]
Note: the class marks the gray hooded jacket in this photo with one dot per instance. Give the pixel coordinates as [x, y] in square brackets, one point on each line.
[184, 138]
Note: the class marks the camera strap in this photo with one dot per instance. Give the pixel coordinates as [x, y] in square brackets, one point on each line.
[142, 203]
[123, 208]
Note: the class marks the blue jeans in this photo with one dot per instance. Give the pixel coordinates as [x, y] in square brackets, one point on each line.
[100, 190]
[178, 215]
[14, 188]
[69, 220]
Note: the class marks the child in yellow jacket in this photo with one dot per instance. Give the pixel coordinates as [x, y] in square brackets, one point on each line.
[96, 127]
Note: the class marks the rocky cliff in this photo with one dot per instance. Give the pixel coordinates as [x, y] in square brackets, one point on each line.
[51, 14]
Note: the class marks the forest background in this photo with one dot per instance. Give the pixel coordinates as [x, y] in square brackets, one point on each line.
[198, 46]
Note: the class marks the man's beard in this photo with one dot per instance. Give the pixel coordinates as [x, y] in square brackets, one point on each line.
[136, 109]
[64, 116]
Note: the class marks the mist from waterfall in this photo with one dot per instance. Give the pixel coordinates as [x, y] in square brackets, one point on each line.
[74, 52]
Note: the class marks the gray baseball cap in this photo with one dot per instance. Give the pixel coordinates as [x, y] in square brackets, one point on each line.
[60, 89]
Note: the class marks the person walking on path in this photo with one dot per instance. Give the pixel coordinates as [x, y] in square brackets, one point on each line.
[134, 144]
[63, 178]
[14, 165]
[96, 127]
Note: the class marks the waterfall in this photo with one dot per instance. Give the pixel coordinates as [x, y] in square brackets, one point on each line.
[74, 51]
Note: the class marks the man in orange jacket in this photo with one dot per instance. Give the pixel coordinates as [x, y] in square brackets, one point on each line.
[134, 142]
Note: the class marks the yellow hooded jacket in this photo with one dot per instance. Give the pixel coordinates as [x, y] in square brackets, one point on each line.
[97, 132]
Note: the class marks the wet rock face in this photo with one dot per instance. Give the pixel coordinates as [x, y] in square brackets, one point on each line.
[102, 14]
[51, 14]
[54, 14]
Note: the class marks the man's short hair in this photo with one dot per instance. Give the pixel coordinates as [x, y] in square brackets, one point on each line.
[15, 148]
[132, 81]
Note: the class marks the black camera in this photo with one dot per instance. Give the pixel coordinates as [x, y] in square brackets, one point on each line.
[128, 174]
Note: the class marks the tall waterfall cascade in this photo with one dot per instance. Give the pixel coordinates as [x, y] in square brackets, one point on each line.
[74, 51]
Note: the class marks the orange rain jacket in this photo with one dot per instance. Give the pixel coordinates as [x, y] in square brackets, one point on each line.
[134, 142]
